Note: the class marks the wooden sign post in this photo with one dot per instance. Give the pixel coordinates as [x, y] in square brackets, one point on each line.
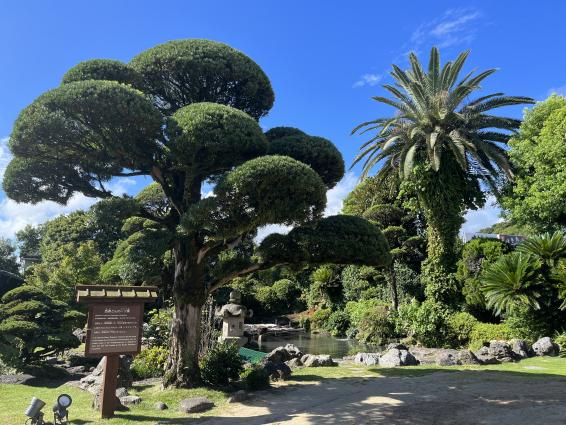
[114, 327]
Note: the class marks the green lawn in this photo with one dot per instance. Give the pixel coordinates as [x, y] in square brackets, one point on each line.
[15, 398]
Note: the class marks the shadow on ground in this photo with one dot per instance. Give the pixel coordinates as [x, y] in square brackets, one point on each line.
[406, 397]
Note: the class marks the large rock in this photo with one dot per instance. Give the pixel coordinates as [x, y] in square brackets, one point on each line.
[397, 355]
[278, 355]
[130, 400]
[294, 363]
[195, 405]
[545, 347]
[367, 359]
[276, 371]
[446, 359]
[160, 406]
[501, 350]
[293, 351]
[466, 357]
[93, 381]
[320, 360]
[521, 348]
[485, 357]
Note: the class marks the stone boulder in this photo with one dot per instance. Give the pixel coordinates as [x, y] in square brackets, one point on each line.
[545, 347]
[195, 405]
[485, 357]
[466, 357]
[278, 355]
[93, 381]
[160, 406]
[318, 360]
[276, 371]
[446, 359]
[397, 355]
[497, 352]
[130, 400]
[367, 359]
[521, 348]
[294, 363]
[293, 351]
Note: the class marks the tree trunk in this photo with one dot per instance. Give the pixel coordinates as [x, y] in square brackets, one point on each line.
[392, 277]
[183, 368]
[189, 295]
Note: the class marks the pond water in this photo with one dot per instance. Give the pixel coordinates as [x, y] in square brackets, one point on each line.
[317, 344]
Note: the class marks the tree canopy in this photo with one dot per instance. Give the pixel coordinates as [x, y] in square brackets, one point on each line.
[538, 152]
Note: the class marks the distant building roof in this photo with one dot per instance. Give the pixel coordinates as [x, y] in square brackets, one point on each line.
[86, 293]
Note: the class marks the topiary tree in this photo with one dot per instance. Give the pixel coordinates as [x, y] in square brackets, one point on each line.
[33, 325]
[185, 113]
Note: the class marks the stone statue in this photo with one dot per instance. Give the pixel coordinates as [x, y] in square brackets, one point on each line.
[233, 315]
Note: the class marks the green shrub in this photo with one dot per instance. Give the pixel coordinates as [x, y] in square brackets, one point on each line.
[427, 323]
[159, 326]
[338, 323]
[560, 339]
[461, 325]
[221, 364]
[531, 324]
[253, 379]
[150, 363]
[370, 321]
[482, 333]
[34, 325]
[320, 318]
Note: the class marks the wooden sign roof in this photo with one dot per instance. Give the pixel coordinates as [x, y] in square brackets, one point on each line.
[95, 293]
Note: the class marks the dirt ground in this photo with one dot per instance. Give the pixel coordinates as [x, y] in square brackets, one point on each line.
[462, 397]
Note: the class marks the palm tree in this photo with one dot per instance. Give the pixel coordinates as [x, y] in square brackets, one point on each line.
[447, 149]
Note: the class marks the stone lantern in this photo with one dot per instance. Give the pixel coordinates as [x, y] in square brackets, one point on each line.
[233, 315]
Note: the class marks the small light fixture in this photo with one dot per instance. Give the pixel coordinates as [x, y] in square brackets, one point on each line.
[60, 412]
[34, 413]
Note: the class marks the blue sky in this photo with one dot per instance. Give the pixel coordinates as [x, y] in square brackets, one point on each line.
[325, 59]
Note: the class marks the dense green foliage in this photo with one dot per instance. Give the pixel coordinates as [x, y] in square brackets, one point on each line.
[221, 364]
[8, 260]
[184, 113]
[442, 145]
[149, 363]
[255, 379]
[537, 199]
[33, 326]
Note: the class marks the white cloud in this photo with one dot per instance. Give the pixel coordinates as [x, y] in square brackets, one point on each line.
[334, 200]
[484, 217]
[368, 80]
[453, 28]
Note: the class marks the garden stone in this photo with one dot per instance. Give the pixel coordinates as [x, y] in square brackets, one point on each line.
[485, 357]
[278, 355]
[446, 359]
[130, 400]
[501, 350]
[277, 370]
[521, 348]
[195, 405]
[238, 397]
[121, 392]
[466, 357]
[545, 347]
[395, 357]
[76, 370]
[293, 351]
[321, 360]
[80, 334]
[160, 406]
[92, 382]
[367, 358]
[293, 363]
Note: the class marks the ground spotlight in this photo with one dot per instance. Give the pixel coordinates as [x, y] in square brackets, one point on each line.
[60, 412]
[34, 413]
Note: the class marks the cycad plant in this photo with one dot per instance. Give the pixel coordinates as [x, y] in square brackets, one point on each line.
[447, 148]
[513, 282]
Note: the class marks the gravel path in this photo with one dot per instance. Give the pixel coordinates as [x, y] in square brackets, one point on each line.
[464, 397]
